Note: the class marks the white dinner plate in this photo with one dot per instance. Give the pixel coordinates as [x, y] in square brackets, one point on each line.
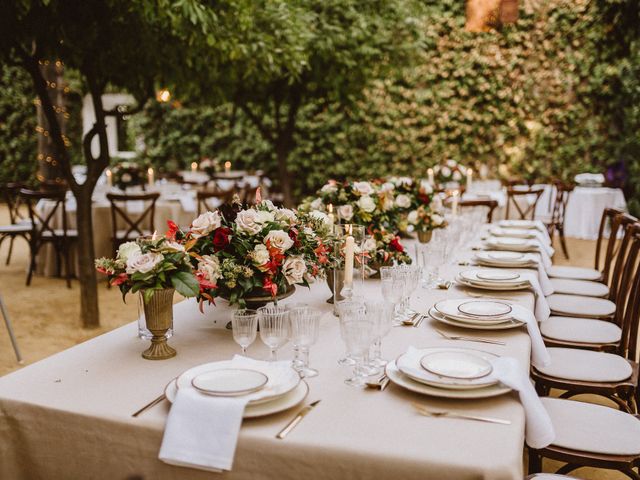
[513, 232]
[504, 256]
[518, 224]
[493, 277]
[492, 286]
[262, 409]
[485, 308]
[264, 395]
[229, 382]
[449, 308]
[433, 313]
[402, 380]
[456, 364]
[497, 275]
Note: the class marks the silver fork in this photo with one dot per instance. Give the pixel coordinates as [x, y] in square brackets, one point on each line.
[470, 339]
[443, 413]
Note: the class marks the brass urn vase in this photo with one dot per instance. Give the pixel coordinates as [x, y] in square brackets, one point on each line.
[158, 314]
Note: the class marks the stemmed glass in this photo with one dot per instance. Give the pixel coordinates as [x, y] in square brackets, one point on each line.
[348, 308]
[411, 276]
[244, 324]
[381, 313]
[305, 324]
[357, 332]
[392, 286]
[274, 327]
[432, 259]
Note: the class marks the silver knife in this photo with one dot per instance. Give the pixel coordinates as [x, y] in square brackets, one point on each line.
[296, 420]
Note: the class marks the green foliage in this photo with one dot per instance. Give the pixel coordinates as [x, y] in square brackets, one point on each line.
[18, 140]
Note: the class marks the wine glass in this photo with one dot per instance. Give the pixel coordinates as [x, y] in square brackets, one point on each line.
[244, 324]
[346, 308]
[433, 258]
[392, 285]
[381, 313]
[357, 333]
[305, 325]
[274, 327]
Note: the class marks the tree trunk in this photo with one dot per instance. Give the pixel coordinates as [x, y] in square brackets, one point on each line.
[50, 168]
[284, 145]
[89, 311]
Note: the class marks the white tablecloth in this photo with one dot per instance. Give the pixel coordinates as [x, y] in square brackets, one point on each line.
[69, 416]
[585, 207]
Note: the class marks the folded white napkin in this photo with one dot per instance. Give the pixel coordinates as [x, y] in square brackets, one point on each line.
[539, 354]
[539, 430]
[202, 431]
[542, 310]
[545, 283]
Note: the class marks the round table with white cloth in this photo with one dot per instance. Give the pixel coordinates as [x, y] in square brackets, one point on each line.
[585, 207]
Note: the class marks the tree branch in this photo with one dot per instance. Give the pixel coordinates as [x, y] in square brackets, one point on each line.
[102, 161]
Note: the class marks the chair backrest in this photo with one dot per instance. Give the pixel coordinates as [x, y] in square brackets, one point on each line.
[11, 195]
[528, 211]
[563, 191]
[42, 220]
[609, 216]
[628, 299]
[204, 198]
[627, 224]
[134, 224]
[488, 203]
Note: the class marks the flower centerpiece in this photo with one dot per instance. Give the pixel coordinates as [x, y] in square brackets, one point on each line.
[209, 166]
[425, 219]
[155, 267]
[450, 173]
[255, 255]
[128, 174]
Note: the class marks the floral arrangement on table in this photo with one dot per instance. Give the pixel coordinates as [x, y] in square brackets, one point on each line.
[209, 166]
[148, 265]
[239, 254]
[372, 204]
[128, 174]
[450, 172]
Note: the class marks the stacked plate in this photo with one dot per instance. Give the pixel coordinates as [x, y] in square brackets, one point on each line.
[268, 388]
[476, 314]
[513, 232]
[460, 373]
[512, 244]
[493, 279]
[530, 224]
[504, 259]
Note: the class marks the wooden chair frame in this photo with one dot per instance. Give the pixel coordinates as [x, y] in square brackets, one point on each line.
[11, 194]
[563, 191]
[134, 228]
[203, 195]
[42, 232]
[513, 193]
[490, 204]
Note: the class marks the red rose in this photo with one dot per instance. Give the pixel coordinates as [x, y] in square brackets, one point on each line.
[119, 280]
[221, 238]
[269, 286]
[204, 283]
[173, 229]
[396, 245]
[293, 235]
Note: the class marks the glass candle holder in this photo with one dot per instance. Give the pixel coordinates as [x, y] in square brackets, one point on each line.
[349, 265]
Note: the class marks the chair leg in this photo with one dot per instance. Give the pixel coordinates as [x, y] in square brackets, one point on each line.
[569, 467]
[631, 473]
[32, 263]
[535, 462]
[563, 243]
[67, 263]
[10, 249]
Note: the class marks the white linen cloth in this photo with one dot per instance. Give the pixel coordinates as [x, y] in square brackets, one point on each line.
[202, 430]
[585, 207]
[539, 431]
[589, 178]
[542, 310]
[539, 354]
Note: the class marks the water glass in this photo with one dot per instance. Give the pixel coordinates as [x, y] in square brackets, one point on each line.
[348, 308]
[274, 327]
[381, 313]
[305, 325]
[357, 334]
[432, 259]
[244, 324]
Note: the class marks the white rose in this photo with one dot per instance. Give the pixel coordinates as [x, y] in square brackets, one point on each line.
[345, 212]
[248, 221]
[317, 204]
[369, 245]
[403, 201]
[205, 223]
[143, 262]
[367, 204]
[126, 178]
[264, 217]
[279, 239]
[285, 216]
[457, 176]
[210, 266]
[127, 249]
[363, 188]
[294, 269]
[405, 181]
[451, 163]
[260, 255]
[329, 188]
[269, 204]
[308, 231]
[320, 216]
[387, 202]
[426, 187]
[446, 171]
[173, 247]
[387, 187]
[412, 218]
[437, 219]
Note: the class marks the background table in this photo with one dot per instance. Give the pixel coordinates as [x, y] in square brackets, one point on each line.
[585, 207]
[69, 416]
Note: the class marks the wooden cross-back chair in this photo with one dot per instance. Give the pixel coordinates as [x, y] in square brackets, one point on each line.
[491, 205]
[136, 224]
[19, 226]
[210, 200]
[594, 451]
[528, 210]
[556, 223]
[45, 231]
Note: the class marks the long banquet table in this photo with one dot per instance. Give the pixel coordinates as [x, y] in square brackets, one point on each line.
[69, 416]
